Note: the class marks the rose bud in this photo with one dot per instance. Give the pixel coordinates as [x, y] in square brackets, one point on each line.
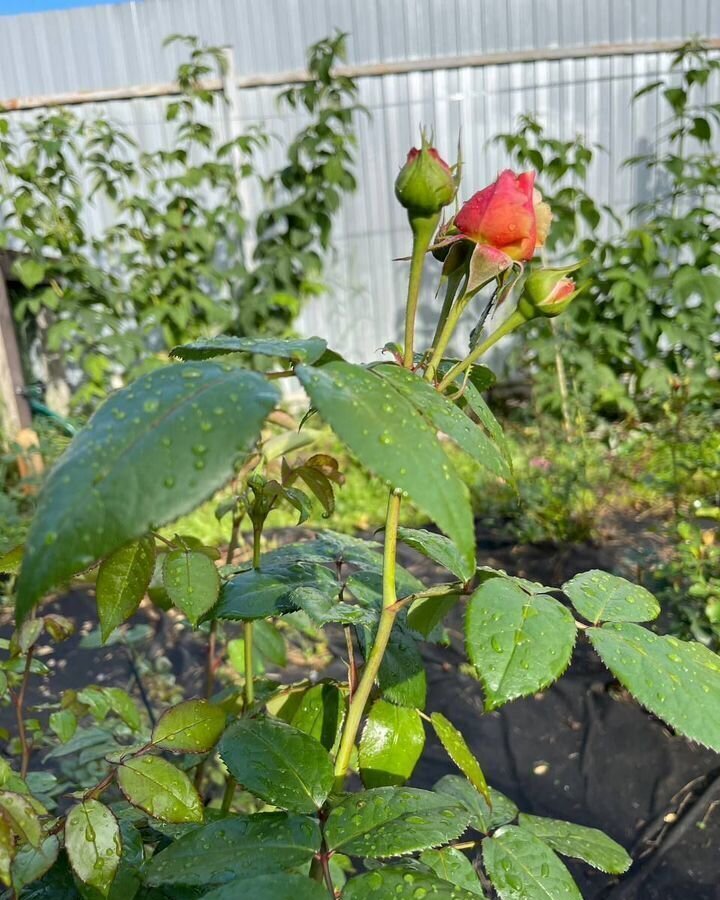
[548, 292]
[425, 184]
[509, 215]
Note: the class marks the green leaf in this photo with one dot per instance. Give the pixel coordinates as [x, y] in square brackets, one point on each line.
[459, 752]
[521, 867]
[426, 613]
[401, 677]
[677, 680]
[386, 432]
[301, 350]
[321, 713]
[602, 597]
[193, 726]
[474, 399]
[123, 579]
[452, 865]
[236, 847]
[192, 582]
[278, 763]
[268, 591]
[160, 789]
[123, 705]
[63, 723]
[269, 643]
[588, 844]
[391, 744]
[484, 818]
[329, 548]
[93, 845]
[403, 884]
[445, 416]
[32, 863]
[393, 821]
[438, 548]
[7, 852]
[271, 887]
[11, 561]
[19, 813]
[518, 642]
[183, 427]
[31, 272]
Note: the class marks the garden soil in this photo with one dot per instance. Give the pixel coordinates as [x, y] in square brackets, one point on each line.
[583, 750]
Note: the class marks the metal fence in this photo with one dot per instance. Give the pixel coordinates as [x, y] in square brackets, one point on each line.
[469, 66]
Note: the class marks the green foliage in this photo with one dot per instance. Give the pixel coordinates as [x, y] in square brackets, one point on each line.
[391, 745]
[588, 844]
[522, 867]
[172, 266]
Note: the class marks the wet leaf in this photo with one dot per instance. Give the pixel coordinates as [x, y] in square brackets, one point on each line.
[459, 752]
[184, 426]
[387, 432]
[63, 723]
[393, 821]
[403, 884]
[10, 562]
[588, 844]
[236, 847]
[301, 350]
[123, 579]
[193, 726]
[278, 763]
[123, 705]
[268, 591]
[7, 851]
[192, 582]
[401, 678]
[321, 713]
[271, 887]
[522, 867]
[32, 863]
[160, 789]
[452, 865]
[391, 744]
[93, 845]
[483, 817]
[519, 643]
[18, 811]
[602, 597]
[438, 548]
[677, 680]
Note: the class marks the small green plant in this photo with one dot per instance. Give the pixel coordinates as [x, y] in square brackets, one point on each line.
[290, 822]
[173, 265]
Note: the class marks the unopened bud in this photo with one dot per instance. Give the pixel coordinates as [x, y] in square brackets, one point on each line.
[425, 184]
[548, 292]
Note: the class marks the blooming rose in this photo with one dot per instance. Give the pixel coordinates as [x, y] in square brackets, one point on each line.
[508, 215]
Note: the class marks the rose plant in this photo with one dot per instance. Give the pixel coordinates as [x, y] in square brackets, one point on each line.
[315, 802]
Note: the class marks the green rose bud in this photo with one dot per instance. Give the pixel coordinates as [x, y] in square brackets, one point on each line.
[548, 292]
[425, 183]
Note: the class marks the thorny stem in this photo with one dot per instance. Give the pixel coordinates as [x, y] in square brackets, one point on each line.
[513, 321]
[423, 230]
[372, 663]
[20, 714]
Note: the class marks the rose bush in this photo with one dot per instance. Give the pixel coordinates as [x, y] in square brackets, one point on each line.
[324, 809]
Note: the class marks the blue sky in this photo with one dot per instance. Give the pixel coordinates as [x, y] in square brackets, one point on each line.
[13, 7]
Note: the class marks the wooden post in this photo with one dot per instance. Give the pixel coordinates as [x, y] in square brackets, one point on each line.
[15, 410]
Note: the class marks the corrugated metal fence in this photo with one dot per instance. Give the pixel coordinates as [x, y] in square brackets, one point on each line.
[469, 65]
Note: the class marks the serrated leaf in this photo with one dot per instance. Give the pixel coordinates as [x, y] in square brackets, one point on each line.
[602, 597]
[32, 863]
[518, 643]
[168, 417]
[478, 405]
[385, 431]
[677, 680]
[459, 752]
[123, 579]
[391, 744]
[321, 713]
[93, 845]
[19, 813]
[268, 591]
[329, 548]
[236, 847]
[483, 817]
[278, 763]
[589, 844]
[192, 582]
[393, 821]
[301, 350]
[271, 887]
[160, 789]
[522, 867]
[452, 865]
[445, 416]
[438, 548]
[403, 884]
[401, 678]
[193, 726]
